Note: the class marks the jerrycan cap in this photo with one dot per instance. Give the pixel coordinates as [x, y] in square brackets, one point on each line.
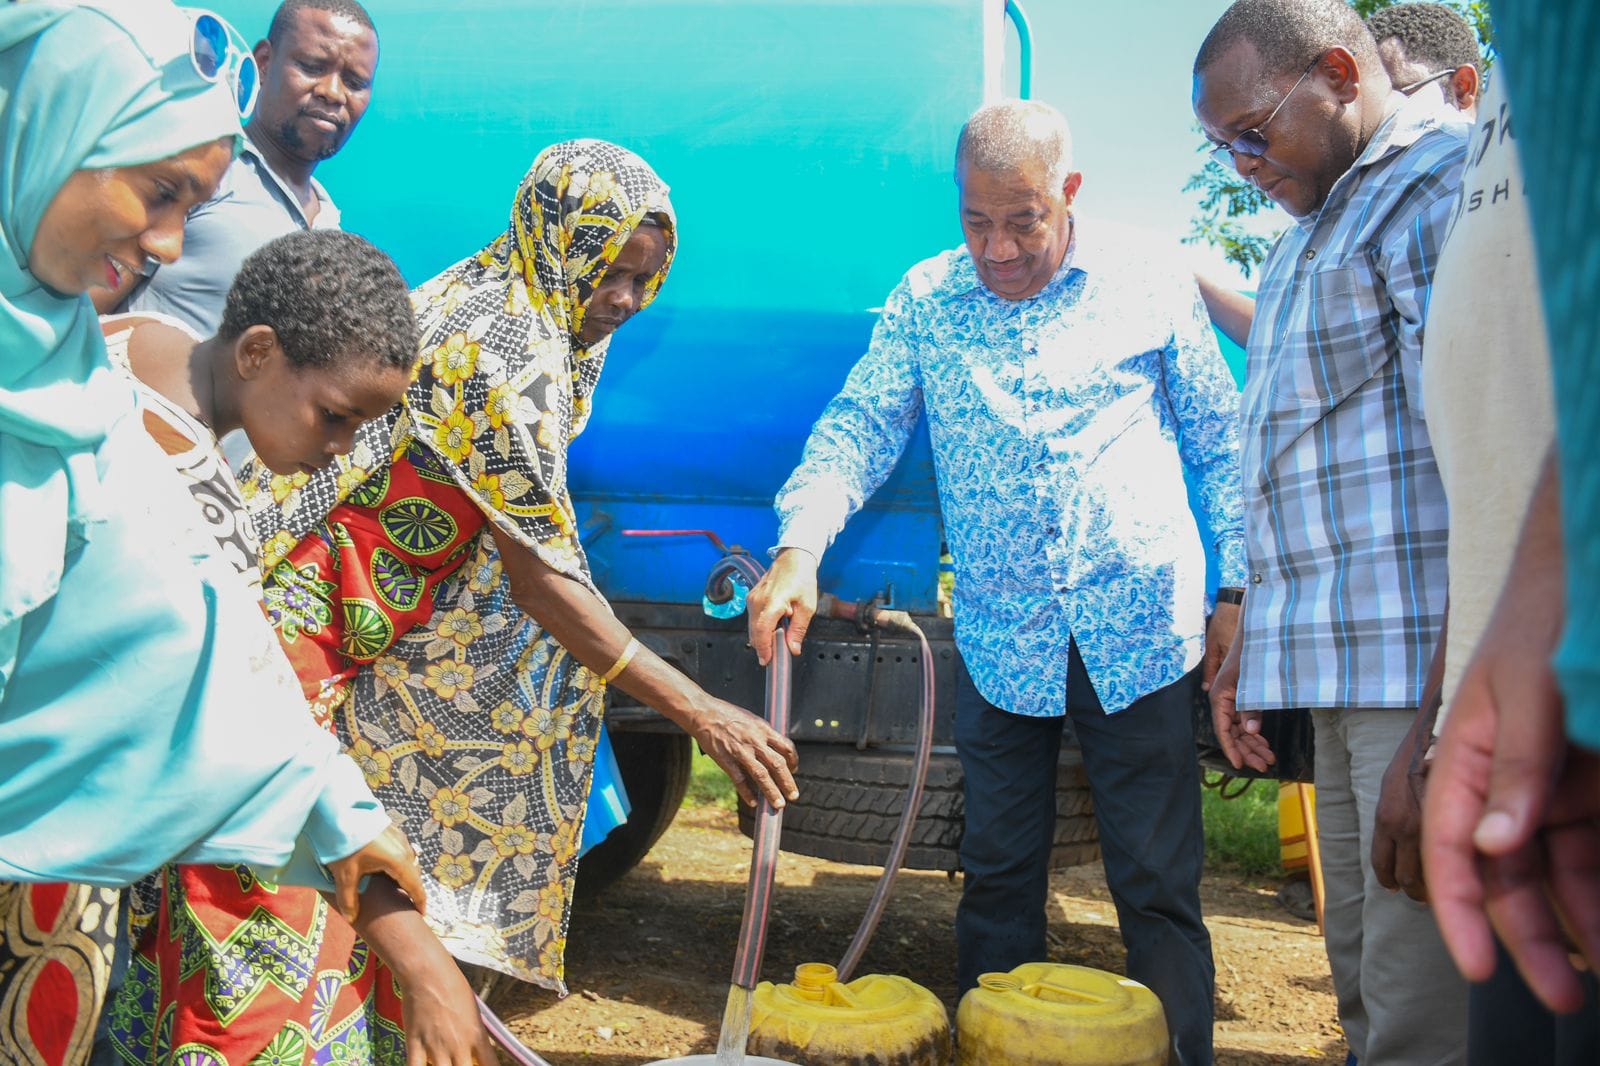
[817, 992]
[814, 977]
[999, 982]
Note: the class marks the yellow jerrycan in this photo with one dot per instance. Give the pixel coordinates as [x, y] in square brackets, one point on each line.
[888, 1021]
[1051, 1013]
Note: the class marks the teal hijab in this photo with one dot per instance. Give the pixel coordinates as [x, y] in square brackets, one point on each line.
[147, 714]
[92, 86]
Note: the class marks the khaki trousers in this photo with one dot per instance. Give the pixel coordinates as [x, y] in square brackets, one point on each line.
[1401, 1001]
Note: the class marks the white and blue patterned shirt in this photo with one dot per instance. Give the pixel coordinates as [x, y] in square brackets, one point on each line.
[1063, 426]
[1344, 510]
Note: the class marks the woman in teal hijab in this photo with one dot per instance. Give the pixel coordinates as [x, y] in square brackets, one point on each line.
[147, 715]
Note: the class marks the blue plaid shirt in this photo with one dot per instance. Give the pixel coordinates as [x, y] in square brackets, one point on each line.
[1344, 511]
[1063, 426]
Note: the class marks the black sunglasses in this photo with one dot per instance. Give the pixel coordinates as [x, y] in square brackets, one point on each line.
[1253, 142]
[1407, 90]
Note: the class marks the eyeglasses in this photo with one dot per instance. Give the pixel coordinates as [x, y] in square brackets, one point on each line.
[1407, 90]
[1253, 142]
[218, 51]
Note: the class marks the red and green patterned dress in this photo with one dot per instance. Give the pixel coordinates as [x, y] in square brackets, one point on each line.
[227, 970]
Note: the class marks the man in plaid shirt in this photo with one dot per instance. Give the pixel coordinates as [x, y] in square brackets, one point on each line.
[1345, 522]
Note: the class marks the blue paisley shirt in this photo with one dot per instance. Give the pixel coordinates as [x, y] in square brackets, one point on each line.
[1063, 426]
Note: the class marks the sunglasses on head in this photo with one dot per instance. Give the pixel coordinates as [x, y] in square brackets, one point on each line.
[218, 52]
[1253, 142]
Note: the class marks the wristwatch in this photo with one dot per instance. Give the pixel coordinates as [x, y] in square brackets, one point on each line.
[1230, 595]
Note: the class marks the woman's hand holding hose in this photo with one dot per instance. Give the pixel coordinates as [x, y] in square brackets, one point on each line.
[752, 753]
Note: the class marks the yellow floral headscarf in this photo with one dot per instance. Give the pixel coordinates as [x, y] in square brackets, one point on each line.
[576, 208]
[505, 382]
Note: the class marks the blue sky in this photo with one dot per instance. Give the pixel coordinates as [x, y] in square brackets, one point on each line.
[1119, 70]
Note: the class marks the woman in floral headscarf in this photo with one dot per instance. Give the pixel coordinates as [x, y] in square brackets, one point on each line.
[432, 590]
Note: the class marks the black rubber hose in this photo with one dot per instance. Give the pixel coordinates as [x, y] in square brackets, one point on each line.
[769, 820]
[718, 590]
[902, 621]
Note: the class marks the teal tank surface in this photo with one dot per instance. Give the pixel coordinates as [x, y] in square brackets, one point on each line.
[809, 148]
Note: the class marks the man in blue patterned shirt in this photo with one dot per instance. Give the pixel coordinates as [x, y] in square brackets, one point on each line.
[1074, 394]
[1345, 517]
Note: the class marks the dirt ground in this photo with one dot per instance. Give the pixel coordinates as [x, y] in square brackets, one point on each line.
[648, 961]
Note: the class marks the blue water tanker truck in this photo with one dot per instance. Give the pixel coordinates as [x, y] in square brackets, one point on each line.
[808, 144]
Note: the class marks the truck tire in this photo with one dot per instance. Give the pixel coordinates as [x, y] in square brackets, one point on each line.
[850, 803]
[655, 770]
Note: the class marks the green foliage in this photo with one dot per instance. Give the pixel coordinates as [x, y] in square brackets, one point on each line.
[1226, 200]
[709, 786]
[1242, 833]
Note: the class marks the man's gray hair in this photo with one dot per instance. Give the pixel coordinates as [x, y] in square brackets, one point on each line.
[1005, 136]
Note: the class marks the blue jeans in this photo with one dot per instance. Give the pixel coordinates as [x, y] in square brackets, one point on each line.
[1145, 779]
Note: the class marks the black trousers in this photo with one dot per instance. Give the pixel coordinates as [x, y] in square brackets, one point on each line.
[1145, 780]
[1508, 1026]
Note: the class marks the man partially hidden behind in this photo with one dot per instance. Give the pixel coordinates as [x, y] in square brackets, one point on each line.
[1430, 44]
[1491, 414]
[1345, 520]
[317, 65]
[1074, 392]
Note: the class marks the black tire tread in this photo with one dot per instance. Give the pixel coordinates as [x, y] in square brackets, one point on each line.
[850, 803]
